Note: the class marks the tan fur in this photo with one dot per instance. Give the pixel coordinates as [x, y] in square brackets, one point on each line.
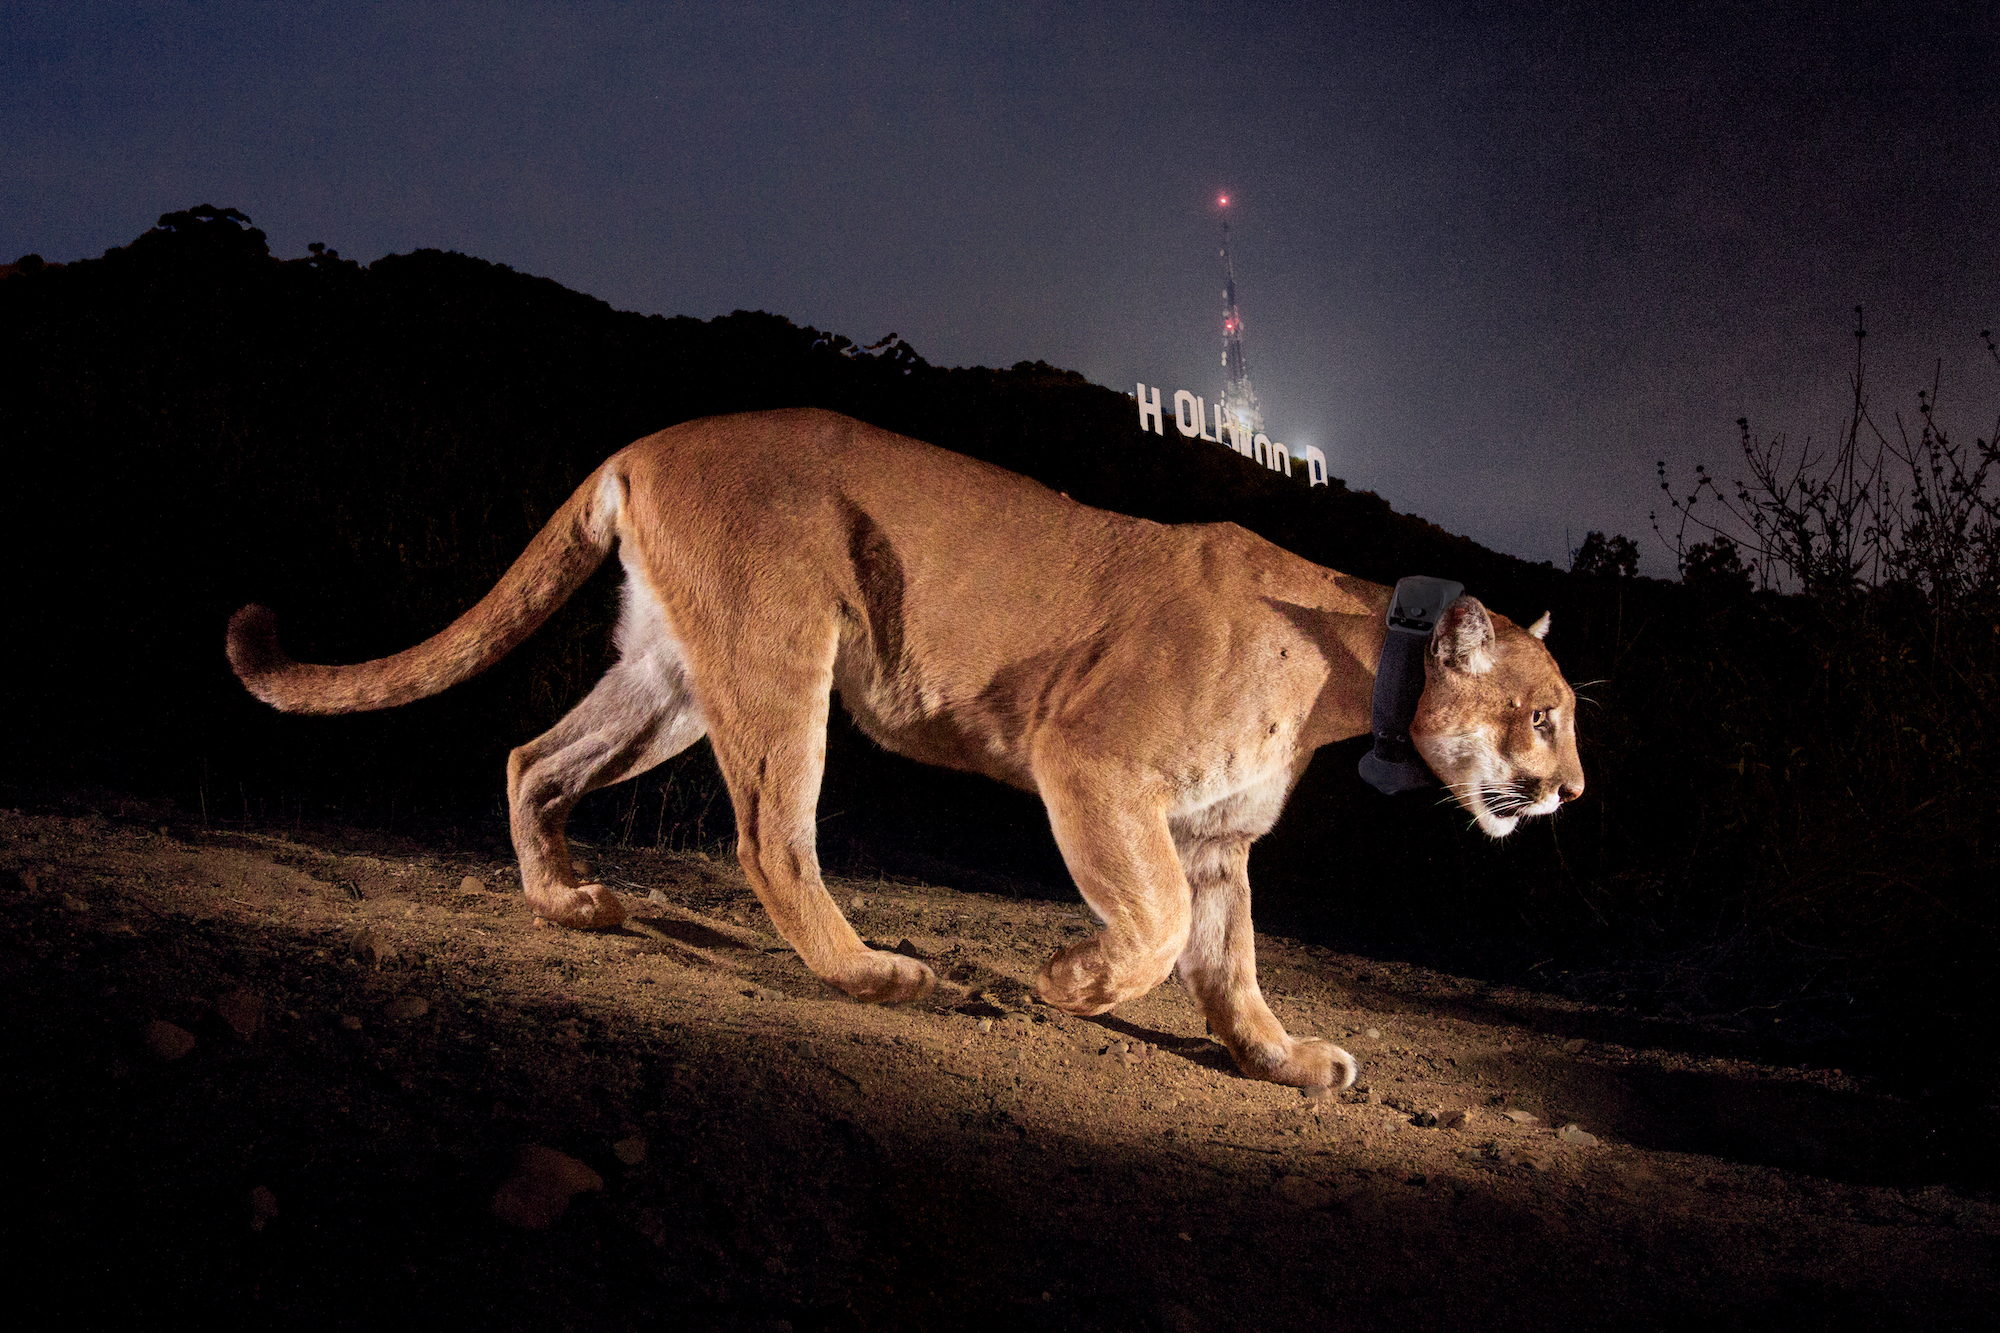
[1161, 688]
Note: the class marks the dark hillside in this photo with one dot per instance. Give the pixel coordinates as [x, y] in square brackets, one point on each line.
[192, 424]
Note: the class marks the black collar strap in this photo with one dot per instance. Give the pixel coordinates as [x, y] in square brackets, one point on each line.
[1394, 764]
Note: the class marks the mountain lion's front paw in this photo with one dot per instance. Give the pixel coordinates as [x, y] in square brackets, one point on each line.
[1078, 981]
[1310, 1062]
[882, 978]
[587, 907]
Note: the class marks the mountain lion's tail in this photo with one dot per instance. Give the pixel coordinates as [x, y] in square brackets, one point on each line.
[563, 554]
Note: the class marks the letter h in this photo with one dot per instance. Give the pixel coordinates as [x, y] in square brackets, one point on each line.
[1151, 411]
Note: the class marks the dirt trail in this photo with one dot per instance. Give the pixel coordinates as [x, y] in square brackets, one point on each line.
[379, 1029]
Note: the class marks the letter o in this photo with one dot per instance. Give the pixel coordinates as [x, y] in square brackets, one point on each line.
[1187, 415]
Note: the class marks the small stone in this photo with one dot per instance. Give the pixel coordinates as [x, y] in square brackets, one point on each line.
[856, 903]
[350, 1022]
[543, 1183]
[406, 1006]
[1373, 1034]
[1323, 1093]
[1460, 1118]
[72, 903]
[1425, 1120]
[168, 1041]
[1576, 1134]
[373, 950]
[1523, 1117]
[1574, 1046]
[263, 1208]
[630, 1151]
[985, 1025]
[472, 884]
[243, 1010]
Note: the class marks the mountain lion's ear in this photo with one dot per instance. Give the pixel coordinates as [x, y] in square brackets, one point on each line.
[1540, 629]
[1463, 639]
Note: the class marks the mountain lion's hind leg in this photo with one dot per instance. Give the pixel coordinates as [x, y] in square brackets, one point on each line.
[767, 713]
[1220, 967]
[641, 714]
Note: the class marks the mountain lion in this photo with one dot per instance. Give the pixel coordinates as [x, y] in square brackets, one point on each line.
[1161, 688]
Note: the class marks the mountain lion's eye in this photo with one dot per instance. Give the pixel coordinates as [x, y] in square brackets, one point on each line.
[1540, 719]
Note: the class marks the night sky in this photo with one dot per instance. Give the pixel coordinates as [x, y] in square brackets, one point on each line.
[1492, 259]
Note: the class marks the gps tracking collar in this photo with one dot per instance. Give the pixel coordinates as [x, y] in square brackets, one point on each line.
[1394, 764]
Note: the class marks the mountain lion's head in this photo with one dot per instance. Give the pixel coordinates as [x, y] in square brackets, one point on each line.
[1497, 722]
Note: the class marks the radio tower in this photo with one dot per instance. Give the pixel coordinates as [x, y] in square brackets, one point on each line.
[1239, 400]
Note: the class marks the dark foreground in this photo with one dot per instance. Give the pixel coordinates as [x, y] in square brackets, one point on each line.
[404, 1104]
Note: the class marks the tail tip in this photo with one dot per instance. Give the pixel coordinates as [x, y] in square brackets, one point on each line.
[253, 649]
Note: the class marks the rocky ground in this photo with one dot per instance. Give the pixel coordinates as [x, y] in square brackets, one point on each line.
[324, 1078]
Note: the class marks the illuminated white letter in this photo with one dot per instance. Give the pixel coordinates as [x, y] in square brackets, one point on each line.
[1222, 425]
[1315, 466]
[1201, 415]
[1261, 448]
[1187, 414]
[1150, 410]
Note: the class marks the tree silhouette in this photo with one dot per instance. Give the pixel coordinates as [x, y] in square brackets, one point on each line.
[1606, 557]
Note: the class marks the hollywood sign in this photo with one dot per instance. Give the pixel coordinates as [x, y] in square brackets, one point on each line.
[1197, 421]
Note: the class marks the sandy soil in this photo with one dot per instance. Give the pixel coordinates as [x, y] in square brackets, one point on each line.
[325, 1078]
